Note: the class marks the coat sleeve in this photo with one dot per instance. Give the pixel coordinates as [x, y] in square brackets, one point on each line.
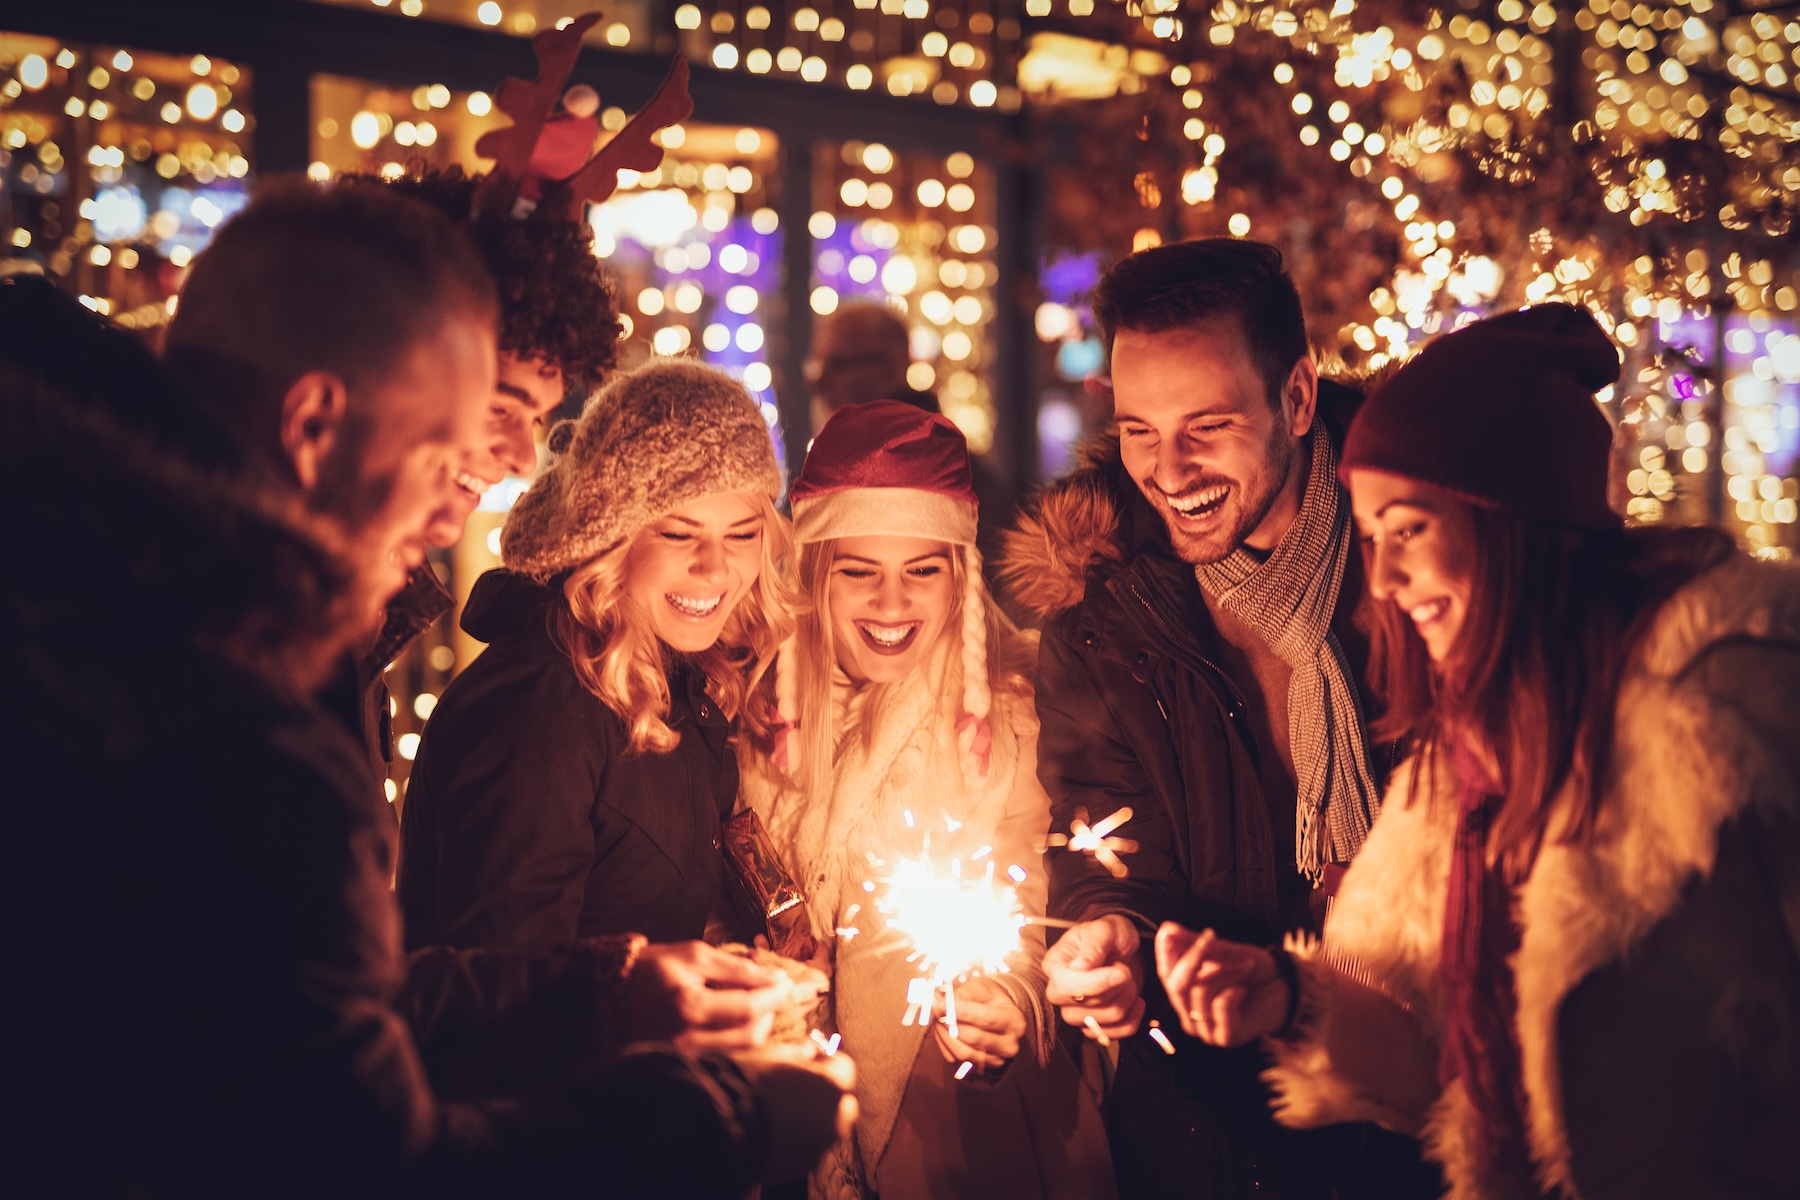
[1366, 1039]
[509, 776]
[341, 1097]
[1089, 768]
[497, 1020]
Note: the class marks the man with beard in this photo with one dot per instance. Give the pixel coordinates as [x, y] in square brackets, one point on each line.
[1202, 653]
[206, 990]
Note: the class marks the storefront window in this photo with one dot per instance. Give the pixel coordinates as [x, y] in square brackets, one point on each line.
[915, 231]
[626, 27]
[118, 165]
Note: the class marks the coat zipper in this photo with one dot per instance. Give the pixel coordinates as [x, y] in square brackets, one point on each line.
[1217, 671]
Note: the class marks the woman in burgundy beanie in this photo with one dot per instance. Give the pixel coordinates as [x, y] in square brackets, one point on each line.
[1560, 957]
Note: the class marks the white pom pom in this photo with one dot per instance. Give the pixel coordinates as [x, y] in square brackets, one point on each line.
[977, 698]
[581, 101]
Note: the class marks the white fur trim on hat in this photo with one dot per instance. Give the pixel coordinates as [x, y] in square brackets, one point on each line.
[884, 512]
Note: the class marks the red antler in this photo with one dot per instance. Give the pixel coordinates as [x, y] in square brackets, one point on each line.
[528, 104]
[632, 148]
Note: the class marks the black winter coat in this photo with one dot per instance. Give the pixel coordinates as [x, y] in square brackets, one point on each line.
[1136, 712]
[528, 823]
[204, 993]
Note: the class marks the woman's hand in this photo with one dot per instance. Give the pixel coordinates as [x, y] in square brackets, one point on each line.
[989, 1025]
[703, 999]
[1226, 993]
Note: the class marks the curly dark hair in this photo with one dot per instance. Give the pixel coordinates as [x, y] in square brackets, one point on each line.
[555, 302]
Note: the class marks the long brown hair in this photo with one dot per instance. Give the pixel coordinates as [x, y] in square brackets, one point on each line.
[1532, 680]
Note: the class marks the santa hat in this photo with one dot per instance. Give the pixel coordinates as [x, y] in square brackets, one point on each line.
[885, 468]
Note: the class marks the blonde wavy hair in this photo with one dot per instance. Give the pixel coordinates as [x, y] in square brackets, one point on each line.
[986, 665]
[618, 657]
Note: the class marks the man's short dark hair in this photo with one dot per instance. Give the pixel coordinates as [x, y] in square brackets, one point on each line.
[346, 279]
[555, 303]
[1192, 283]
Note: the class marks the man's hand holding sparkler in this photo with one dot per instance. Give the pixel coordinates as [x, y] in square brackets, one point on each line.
[701, 998]
[1096, 977]
[989, 1025]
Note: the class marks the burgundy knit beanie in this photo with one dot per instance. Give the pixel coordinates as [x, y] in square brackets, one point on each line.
[1502, 414]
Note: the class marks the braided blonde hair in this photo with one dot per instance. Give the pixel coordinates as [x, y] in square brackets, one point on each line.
[808, 661]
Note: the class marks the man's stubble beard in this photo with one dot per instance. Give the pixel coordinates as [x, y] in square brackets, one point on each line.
[352, 500]
[1250, 501]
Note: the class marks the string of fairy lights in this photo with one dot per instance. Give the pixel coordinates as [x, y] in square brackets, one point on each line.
[1636, 157]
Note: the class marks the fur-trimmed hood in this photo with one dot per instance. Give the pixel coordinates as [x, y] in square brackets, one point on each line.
[1704, 742]
[1065, 535]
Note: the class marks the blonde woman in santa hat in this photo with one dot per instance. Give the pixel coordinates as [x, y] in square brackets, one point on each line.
[909, 711]
[572, 782]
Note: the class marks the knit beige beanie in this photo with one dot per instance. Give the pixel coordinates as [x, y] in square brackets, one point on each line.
[648, 443]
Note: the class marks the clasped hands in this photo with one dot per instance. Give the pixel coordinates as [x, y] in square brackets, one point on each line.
[1225, 993]
[701, 998]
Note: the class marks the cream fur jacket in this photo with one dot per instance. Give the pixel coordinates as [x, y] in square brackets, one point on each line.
[1658, 974]
[907, 764]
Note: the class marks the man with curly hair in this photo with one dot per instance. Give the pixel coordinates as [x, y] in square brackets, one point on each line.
[559, 331]
[559, 336]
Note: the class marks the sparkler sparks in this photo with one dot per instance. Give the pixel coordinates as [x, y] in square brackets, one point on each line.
[956, 925]
[1096, 839]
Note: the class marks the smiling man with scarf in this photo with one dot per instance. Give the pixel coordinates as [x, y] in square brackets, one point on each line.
[1203, 650]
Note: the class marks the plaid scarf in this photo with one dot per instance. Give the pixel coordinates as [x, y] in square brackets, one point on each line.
[1288, 599]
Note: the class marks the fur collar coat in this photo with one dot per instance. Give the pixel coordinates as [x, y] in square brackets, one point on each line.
[895, 779]
[1658, 974]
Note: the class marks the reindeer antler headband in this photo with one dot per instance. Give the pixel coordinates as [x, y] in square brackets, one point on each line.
[530, 103]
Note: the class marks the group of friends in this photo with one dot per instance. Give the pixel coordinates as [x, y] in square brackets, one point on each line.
[1463, 846]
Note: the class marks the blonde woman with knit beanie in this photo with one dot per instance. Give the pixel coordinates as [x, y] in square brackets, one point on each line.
[572, 782]
[906, 709]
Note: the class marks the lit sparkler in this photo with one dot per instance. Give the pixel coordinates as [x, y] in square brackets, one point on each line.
[956, 925]
[1096, 839]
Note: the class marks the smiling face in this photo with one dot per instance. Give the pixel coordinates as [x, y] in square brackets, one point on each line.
[527, 392]
[688, 570]
[1218, 462]
[1420, 542]
[889, 599]
[425, 417]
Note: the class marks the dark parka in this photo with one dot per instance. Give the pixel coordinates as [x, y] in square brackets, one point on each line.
[205, 993]
[1136, 711]
[529, 822]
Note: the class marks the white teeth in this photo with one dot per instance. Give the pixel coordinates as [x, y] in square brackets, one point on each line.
[470, 483]
[1188, 505]
[888, 635]
[694, 606]
[1428, 611]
